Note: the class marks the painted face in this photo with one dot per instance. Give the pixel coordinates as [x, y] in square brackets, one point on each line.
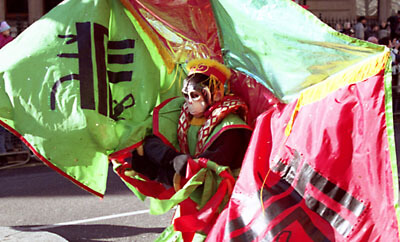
[6, 33]
[194, 98]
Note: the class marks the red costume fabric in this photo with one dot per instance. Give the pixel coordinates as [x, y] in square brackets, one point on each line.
[4, 40]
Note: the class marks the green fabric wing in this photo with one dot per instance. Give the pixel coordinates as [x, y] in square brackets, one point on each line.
[283, 46]
[80, 84]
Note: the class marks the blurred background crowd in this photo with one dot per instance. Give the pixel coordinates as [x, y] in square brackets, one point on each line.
[386, 33]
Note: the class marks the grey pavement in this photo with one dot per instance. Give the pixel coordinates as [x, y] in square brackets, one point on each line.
[117, 229]
[17, 235]
[38, 204]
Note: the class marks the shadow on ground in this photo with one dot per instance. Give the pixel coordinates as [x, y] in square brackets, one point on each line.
[41, 176]
[96, 232]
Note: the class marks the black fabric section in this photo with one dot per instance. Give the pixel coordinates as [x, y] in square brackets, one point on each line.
[298, 215]
[334, 219]
[229, 148]
[99, 33]
[122, 76]
[127, 102]
[337, 194]
[280, 167]
[120, 59]
[143, 166]
[308, 175]
[288, 172]
[249, 235]
[281, 205]
[69, 78]
[270, 213]
[56, 85]
[284, 236]
[305, 176]
[239, 223]
[85, 65]
[268, 192]
[157, 160]
[68, 55]
[110, 101]
[279, 188]
[72, 38]
[123, 44]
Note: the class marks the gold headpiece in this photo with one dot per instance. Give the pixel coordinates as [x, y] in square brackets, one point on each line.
[212, 68]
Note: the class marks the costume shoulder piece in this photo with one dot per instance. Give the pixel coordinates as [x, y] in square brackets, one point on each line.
[230, 113]
[165, 120]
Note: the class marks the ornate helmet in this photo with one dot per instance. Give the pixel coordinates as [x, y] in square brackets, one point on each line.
[216, 72]
[212, 68]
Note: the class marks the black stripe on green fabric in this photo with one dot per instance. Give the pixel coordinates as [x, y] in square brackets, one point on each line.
[56, 85]
[122, 76]
[85, 65]
[120, 59]
[72, 38]
[102, 87]
[123, 44]
[68, 55]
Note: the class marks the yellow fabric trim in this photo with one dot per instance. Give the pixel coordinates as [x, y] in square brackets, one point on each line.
[179, 71]
[353, 74]
[216, 88]
[198, 121]
[211, 63]
[167, 58]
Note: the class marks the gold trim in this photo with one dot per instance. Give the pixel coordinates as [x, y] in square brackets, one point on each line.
[177, 182]
[354, 74]
[210, 63]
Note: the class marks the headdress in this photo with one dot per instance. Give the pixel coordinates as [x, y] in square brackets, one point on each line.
[212, 68]
[4, 26]
[217, 75]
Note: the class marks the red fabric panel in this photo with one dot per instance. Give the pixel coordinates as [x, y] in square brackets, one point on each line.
[192, 19]
[331, 179]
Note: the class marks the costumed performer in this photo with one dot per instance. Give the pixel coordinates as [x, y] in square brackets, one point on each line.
[205, 123]
[5, 34]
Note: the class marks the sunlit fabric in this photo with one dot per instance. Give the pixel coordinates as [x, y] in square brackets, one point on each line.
[79, 87]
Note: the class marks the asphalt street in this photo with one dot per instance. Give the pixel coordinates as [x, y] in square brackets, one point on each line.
[38, 204]
[36, 199]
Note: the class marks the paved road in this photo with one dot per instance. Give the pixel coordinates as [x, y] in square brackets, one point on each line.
[38, 199]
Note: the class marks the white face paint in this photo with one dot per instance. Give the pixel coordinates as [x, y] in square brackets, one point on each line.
[195, 100]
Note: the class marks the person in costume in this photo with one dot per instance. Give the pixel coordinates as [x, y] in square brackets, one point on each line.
[204, 123]
[5, 34]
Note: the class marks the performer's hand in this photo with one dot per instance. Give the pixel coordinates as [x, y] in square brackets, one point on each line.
[179, 163]
[140, 150]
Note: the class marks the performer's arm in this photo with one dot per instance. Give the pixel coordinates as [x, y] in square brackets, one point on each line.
[157, 161]
[229, 148]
